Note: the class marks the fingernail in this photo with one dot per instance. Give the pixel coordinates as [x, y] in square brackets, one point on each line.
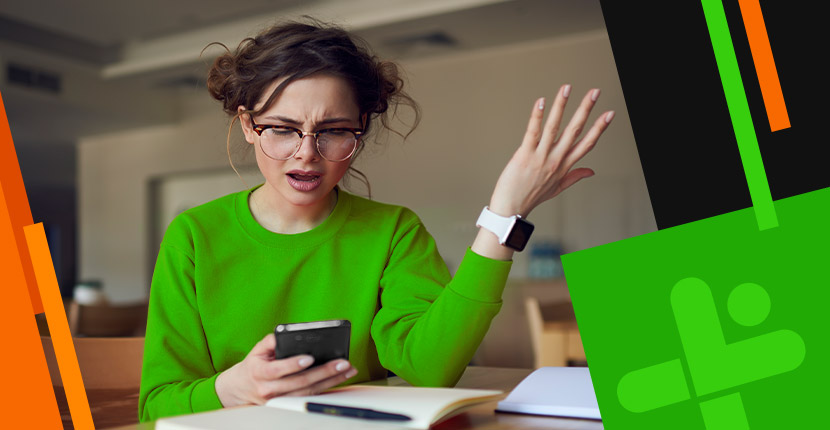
[341, 366]
[595, 95]
[351, 373]
[608, 117]
[305, 361]
[542, 103]
[566, 91]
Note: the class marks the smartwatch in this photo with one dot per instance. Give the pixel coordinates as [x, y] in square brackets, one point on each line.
[513, 231]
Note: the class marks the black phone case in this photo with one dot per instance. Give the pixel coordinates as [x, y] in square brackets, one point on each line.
[322, 343]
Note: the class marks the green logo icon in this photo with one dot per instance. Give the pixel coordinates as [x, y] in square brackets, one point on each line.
[714, 365]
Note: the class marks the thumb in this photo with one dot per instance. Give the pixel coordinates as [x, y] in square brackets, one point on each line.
[573, 177]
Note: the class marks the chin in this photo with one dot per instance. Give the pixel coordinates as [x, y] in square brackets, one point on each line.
[305, 198]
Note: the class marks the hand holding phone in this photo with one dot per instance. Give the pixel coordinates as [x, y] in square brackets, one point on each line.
[260, 376]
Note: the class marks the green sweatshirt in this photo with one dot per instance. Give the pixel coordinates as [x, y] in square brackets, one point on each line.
[222, 282]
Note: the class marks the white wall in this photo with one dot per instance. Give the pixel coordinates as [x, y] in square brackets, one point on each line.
[114, 174]
[475, 111]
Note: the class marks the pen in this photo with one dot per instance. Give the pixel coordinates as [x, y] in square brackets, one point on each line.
[347, 411]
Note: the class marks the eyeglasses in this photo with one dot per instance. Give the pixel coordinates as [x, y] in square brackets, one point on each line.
[280, 142]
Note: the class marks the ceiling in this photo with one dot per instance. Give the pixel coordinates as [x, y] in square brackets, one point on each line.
[119, 64]
[112, 23]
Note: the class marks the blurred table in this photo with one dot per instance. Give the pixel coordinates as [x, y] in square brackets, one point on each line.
[482, 416]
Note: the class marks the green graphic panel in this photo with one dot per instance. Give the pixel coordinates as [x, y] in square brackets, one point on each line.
[712, 324]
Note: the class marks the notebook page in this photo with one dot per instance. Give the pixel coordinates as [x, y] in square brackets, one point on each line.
[264, 418]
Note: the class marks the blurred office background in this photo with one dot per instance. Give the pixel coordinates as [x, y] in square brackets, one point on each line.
[115, 132]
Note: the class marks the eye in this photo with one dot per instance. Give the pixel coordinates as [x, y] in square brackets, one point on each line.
[338, 133]
[278, 132]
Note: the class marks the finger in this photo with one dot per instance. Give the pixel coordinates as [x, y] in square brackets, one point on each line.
[265, 346]
[278, 369]
[534, 126]
[554, 119]
[311, 377]
[571, 178]
[574, 128]
[588, 142]
[324, 384]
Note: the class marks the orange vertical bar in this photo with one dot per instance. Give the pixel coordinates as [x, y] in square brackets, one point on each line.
[59, 328]
[17, 203]
[27, 399]
[756, 31]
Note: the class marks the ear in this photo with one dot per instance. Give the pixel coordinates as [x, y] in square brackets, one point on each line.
[247, 125]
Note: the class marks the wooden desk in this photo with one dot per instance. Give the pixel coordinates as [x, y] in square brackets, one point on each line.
[482, 416]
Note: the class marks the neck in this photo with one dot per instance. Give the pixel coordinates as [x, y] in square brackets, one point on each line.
[275, 215]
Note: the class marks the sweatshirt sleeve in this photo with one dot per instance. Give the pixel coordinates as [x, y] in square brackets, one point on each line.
[177, 375]
[429, 326]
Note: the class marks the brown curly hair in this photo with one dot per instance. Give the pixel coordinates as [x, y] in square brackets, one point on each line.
[295, 50]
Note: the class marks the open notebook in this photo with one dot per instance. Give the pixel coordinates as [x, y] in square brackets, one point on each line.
[425, 406]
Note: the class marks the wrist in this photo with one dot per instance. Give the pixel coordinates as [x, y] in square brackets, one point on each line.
[506, 210]
[486, 244]
[225, 388]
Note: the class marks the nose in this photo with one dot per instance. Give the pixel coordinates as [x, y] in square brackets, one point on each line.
[308, 149]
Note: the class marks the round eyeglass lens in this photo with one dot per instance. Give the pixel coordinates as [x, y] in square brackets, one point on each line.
[336, 145]
[278, 143]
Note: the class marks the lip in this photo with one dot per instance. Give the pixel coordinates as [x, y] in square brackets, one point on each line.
[304, 186]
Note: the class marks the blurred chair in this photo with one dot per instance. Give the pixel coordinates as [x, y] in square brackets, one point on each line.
[554, 335]
[111, 371]
[107, 320]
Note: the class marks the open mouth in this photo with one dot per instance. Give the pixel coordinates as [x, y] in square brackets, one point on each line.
[304, 178]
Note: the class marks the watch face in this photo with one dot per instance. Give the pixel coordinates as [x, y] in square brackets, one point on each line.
[519, 235]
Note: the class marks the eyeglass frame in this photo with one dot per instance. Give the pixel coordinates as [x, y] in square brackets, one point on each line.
[259, 128]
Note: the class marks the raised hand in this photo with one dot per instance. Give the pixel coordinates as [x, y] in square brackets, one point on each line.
[260, 376]
[542, 166]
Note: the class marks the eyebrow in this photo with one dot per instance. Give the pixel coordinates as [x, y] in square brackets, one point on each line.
[295, 122]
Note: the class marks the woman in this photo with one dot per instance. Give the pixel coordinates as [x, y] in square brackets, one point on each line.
[298, 248]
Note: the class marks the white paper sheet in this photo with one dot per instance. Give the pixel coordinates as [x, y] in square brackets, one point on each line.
[555, 391]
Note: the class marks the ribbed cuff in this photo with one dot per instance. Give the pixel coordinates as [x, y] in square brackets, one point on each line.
[204, 397]
[481, 278]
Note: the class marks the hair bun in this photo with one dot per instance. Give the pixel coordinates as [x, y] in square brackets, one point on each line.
[221, 79]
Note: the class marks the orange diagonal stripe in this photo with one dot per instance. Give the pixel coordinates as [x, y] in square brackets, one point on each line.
[18, 203]
[59, 328]
[756, 31]
[27, 400]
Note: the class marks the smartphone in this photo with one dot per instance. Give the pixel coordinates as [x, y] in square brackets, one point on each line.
[323, 340]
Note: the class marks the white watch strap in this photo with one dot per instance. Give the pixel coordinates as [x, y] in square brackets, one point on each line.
[497, 224]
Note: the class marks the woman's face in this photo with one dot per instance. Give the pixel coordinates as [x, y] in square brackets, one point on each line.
[310, 104]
